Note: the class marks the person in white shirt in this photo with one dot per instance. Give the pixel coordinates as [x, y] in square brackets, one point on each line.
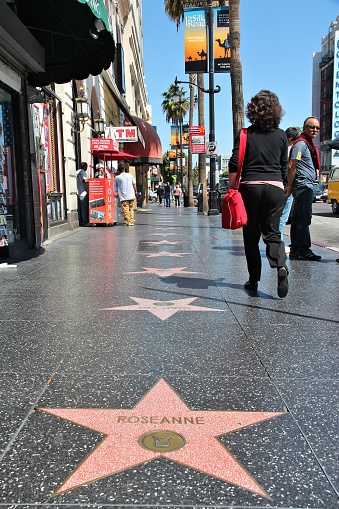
[127, 190]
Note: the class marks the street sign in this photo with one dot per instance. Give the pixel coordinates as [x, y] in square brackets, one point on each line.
[211, 149]
[197, 139]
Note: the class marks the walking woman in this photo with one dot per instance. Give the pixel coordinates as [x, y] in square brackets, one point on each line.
[261, 187]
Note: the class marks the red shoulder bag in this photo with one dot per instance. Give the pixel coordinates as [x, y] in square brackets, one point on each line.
[233, 213]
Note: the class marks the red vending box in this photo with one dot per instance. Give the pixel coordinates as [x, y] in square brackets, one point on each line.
[101, 201]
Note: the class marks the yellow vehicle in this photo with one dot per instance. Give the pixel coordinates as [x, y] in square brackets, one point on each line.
[333, 189]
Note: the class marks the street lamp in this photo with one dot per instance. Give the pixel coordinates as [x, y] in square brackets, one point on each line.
[213, 209]
[99, 125]
[177, 98]
[81, 108]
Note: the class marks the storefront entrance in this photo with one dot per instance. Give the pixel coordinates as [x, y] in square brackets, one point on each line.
[9, 213]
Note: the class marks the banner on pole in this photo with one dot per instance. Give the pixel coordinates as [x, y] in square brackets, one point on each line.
[195, 40]
[175, 137]
[222, 50]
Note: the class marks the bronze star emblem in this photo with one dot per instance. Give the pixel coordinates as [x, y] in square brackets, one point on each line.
[160, 424]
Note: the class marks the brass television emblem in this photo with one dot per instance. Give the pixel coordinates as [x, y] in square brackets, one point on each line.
[162, 441]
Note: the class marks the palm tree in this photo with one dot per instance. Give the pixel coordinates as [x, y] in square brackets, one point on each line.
[174, 110]
[236, 68]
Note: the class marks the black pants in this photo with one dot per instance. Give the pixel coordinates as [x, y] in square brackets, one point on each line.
[301, 220]
[264, 204]
[83, 211]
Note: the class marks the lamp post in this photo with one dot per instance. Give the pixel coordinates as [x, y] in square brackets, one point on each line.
[213, 207]
[81, 106]
[177, 98]
[99, 125]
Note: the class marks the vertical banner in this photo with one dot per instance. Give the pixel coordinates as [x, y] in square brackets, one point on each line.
[222, 50]
[175, 137]
[195, 40]
[335, 113]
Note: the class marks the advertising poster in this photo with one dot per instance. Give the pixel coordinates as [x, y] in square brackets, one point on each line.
[335, 113]
[101, 200]
[195, 40]
[42, 141]
[175, 137]
[222, 50]
[197, 139]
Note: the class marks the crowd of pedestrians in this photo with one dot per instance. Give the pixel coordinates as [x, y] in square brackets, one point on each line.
[280, 168]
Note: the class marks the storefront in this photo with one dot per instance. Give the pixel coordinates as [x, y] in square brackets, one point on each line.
[64, 41]
[9, 204]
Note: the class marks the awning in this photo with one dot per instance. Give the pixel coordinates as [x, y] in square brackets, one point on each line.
[62, 27]
[113, 156]
[150, 151]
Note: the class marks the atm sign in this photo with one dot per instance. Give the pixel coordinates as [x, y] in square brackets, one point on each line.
[125, 134]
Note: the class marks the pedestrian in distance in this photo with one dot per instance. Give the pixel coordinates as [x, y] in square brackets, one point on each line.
[303, 169]
[127, 191]
[292, 134]
[149, 194]
[177, 195]
[82, 193]
[99, 171]
[160, 193]
[261, 187]
[168, 194]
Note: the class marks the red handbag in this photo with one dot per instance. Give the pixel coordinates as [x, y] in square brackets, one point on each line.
[233, 212]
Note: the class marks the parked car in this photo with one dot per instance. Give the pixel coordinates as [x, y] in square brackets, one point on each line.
[317, 193]
[333, 189]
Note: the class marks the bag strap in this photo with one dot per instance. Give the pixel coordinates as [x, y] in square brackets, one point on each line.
[241, 153]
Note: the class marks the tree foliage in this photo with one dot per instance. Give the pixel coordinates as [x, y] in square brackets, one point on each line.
[174, 110]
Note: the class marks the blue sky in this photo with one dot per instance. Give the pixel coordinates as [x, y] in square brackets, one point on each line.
[278, 39]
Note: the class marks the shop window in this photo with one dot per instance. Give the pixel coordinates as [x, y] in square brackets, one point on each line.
[44, 127]
[9, 215]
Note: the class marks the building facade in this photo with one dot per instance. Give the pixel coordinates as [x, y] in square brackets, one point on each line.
[50, 63]
[325, 96]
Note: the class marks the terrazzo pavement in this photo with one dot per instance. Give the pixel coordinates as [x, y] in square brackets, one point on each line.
[136, 371]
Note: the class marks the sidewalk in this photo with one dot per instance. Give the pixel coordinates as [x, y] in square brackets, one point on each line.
[136, 371]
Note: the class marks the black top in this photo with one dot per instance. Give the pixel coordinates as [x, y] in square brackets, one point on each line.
[266, 156]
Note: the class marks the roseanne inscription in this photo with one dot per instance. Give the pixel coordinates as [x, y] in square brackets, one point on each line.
[135, 419]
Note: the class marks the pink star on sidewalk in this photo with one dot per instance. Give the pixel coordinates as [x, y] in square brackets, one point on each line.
[164, 272]
[166, 234]
[158, 243]
[161, 425]
[162, 309]
[166, 253]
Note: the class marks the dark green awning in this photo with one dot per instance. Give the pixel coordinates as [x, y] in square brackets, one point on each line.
[62, 27]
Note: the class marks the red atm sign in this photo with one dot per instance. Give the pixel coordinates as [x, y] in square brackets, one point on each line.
[125, 134]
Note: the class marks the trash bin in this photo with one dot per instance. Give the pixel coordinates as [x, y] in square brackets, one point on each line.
[185, 199]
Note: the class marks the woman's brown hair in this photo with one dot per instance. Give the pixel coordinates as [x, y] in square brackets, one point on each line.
[264, 111]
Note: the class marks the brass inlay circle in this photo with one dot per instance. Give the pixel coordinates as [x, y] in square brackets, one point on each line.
[162, 441]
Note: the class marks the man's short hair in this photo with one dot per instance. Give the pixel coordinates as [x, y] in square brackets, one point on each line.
[292, 132]
[307, 119]
[121, 167]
